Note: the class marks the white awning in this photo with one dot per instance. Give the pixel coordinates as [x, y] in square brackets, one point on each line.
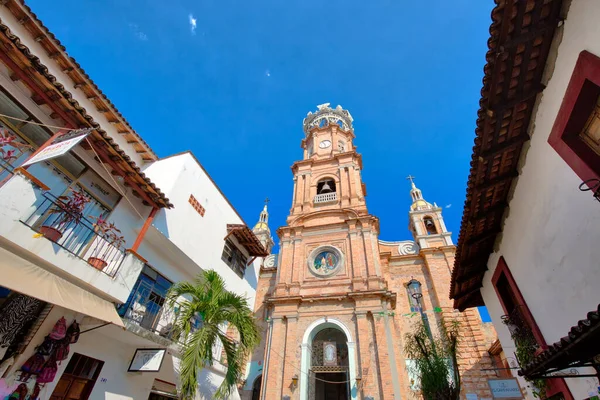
[27, 278]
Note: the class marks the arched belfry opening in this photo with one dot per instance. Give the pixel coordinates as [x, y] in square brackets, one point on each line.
[326, 186]
[328, 362]
[430, 226]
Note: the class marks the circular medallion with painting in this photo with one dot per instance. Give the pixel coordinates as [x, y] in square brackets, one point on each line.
[325, 263]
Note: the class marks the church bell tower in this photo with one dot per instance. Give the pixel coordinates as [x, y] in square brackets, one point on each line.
[328, 177]
[336, 305]
[330, 295]
[426, 221]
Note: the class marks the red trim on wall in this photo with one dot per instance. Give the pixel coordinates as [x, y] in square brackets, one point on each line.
[578, 102]
[502, 269]
[555, 385]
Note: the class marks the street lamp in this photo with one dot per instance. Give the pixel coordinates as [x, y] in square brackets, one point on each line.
[414, 289]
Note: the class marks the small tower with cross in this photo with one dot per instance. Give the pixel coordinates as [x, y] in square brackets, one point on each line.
[426, 221]
[261, 229]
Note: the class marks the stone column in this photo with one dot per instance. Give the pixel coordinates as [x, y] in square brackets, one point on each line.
[273, 386]
[307, 184]
[359, 269]
[367, 366]
[387, 361]
[345, 186]
[294, 195]
[291, 357]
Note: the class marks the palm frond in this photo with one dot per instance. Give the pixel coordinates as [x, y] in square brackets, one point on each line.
[208, 296]
[233, 367]
[197, 353]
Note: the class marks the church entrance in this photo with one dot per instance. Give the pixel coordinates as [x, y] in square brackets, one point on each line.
[331, 386]
[329, 366]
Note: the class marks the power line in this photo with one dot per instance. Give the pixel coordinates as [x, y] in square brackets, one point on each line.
[38, 123]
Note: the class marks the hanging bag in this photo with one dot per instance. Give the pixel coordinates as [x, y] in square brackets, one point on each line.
[35, 395]
[48, 372]
[73, 332]
[20, 392]
[47, 346]
[60, 329]
[62, 351]
[34, 364]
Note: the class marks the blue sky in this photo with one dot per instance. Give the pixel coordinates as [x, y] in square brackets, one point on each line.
[232, 81]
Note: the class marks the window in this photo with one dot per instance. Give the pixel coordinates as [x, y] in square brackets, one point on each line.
[576, 132]
[341, 146]
[234, 258]
[518, 316]
[78, 379]
[146, 301]
[430, 226]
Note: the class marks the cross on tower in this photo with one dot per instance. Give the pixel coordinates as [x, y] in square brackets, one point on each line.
[410, 178]
[267, 200]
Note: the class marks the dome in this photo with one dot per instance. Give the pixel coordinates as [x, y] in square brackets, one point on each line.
[420, 205]
[261, 226]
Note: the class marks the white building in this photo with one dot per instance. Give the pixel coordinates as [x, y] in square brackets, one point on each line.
[173, 218]
[528, 247]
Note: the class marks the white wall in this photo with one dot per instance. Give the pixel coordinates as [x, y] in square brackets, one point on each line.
[550, 238]
[114, 382]
[199, 237]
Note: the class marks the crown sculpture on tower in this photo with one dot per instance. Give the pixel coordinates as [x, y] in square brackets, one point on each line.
[326, 115]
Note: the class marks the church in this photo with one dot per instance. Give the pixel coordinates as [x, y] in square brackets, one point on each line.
[336, 303]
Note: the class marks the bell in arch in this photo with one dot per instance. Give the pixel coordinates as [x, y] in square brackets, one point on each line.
[326, 188]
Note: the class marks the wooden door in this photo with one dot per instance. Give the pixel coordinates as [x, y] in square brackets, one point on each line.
[71, 388]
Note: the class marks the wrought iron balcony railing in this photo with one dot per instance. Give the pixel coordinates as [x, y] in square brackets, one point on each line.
[592, 185]
[325, 197]
[521, 331]
[148, 309]
[75, 234]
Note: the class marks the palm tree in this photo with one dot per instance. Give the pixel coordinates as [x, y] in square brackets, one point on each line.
[206, 297]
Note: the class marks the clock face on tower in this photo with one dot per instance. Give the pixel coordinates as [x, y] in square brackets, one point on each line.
[325, 144]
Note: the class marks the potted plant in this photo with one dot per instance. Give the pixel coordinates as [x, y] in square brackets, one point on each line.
[109, 233]
[10, 147]
[69, 210]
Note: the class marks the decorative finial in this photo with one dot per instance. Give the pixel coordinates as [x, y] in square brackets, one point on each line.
[267, 200]
[410, 178]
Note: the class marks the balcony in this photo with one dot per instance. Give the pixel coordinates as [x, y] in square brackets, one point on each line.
[325, 198]
[77, 249]
[145, 309]
[146, 314]
[76, 235]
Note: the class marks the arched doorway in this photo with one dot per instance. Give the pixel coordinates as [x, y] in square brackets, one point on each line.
[329, 366]
[256, 388]
[328, 362]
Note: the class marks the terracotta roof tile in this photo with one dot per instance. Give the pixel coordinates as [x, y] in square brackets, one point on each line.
[520, 36]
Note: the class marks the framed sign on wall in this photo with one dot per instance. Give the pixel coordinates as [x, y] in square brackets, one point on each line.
[506, 389]
[147, 360]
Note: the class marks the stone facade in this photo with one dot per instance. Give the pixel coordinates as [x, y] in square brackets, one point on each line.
[334, 274]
